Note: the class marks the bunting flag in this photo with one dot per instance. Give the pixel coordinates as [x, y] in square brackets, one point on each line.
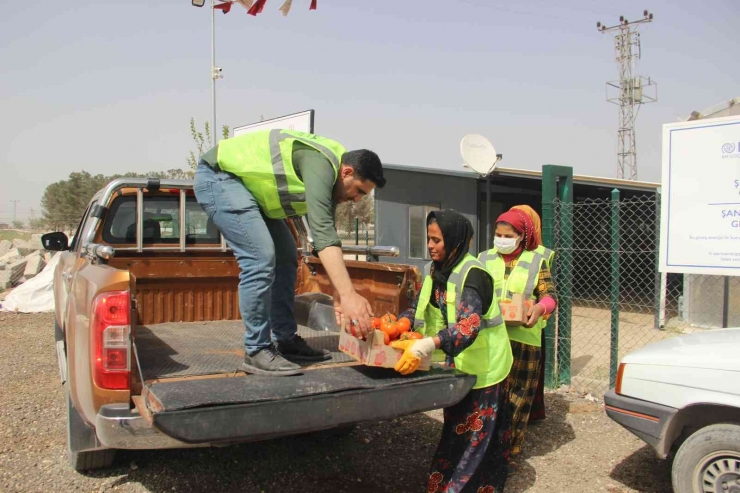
[224, 7]
[257, 8]
[286, 7]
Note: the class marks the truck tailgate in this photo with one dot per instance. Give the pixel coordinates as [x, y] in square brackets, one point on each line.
[194, 392]
[255, 407]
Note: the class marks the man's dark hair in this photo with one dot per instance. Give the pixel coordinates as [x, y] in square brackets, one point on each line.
[366, 164]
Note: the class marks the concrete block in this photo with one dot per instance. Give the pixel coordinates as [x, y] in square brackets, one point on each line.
[11, 256]
[12, 273]
[35, 242]
[34, 264]
[5, 247]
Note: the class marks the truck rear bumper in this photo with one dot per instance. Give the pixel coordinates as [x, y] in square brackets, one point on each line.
[646, 420]
[118, 427]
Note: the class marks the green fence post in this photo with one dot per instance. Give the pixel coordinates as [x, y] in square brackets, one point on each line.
[557, 183]
[614, 289]
[549, 193]
[565, 266]
[357, 234]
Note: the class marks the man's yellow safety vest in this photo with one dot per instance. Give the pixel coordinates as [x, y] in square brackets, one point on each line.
[264, 162]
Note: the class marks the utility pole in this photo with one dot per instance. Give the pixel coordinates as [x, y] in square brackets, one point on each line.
[15, 205]
[633, 91]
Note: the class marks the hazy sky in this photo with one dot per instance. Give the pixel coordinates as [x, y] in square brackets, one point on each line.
[110, 86]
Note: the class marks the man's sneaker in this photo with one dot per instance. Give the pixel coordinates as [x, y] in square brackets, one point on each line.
[268, 361]
[296, 349]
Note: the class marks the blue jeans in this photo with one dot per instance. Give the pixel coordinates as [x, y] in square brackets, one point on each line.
[265, 251]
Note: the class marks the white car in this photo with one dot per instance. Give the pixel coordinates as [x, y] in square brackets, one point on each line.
[683, 395]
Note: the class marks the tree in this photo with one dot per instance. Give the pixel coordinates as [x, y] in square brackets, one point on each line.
[202, 141]
[37, 223]
[64, 202]
[346, 213]
[17, 224]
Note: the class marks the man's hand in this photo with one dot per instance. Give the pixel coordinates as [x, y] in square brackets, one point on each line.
[350, 308]
[355, 310]
[533, 314]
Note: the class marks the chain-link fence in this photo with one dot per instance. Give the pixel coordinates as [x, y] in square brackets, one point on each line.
[612, 297]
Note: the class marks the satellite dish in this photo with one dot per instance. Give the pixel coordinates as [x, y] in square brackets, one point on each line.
[478, 153]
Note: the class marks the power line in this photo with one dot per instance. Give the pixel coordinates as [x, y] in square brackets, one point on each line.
[633, 91]
[15, 205]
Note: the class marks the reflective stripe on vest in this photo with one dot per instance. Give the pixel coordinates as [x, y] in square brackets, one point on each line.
[547, 253]
[264, 162]
[522, 279]
[489, 357]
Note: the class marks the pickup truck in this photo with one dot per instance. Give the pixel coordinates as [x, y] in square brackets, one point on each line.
[682, 396]
[149, 335]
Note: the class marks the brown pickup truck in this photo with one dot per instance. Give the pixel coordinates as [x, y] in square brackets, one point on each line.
[149, 337]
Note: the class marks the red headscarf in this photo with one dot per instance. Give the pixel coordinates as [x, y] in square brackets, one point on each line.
[523, 224]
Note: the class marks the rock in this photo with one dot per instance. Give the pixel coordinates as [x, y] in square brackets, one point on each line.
[35, 242]
[5, 247]
[11, 256]
[12, 273]
[18, 243]
[34, 264]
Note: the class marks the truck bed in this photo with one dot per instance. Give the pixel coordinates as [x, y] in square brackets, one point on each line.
[176, 349]
[194, 392]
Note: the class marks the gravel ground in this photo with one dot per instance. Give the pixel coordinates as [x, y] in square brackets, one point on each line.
[577, 449]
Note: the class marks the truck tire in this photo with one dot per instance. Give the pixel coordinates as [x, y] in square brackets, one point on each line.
[85, 461]
[709, 461]
[79, 436]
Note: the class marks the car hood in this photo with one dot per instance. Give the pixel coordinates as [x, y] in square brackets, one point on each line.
[717, 349]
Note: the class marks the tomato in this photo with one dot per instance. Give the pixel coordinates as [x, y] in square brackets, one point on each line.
[389, 317]
[404, 325]
[390, 328]
[386, 339]
[376, 323]
[408, 336]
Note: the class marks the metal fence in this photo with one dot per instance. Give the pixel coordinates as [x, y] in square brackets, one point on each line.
[613, 299]
[359, 234]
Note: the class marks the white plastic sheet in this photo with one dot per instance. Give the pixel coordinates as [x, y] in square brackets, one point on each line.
[35, 295]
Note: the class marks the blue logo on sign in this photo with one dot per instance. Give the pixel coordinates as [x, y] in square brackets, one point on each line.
[728, 148]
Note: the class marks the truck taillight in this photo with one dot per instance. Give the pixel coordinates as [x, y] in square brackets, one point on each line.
[111, 328]
[620, 374]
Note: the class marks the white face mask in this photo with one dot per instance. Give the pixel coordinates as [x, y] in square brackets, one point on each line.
[505, 245]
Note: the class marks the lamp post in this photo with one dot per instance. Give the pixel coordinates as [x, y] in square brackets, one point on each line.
[215, 71]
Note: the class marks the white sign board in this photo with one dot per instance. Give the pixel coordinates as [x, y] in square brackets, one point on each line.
[700, 207]
[302, 122]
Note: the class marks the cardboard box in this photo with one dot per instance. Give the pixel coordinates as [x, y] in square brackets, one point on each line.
[515, 310]
[373, 351]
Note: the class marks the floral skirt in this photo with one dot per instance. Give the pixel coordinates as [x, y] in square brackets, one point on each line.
[523, 378]
[472, 456]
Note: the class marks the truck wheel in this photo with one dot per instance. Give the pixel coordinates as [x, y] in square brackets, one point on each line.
[709, 461]
[85, 461]
[80, 436]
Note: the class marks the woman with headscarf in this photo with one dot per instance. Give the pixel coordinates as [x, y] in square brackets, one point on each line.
[519, 265]
[458, 316]
[538, 406]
